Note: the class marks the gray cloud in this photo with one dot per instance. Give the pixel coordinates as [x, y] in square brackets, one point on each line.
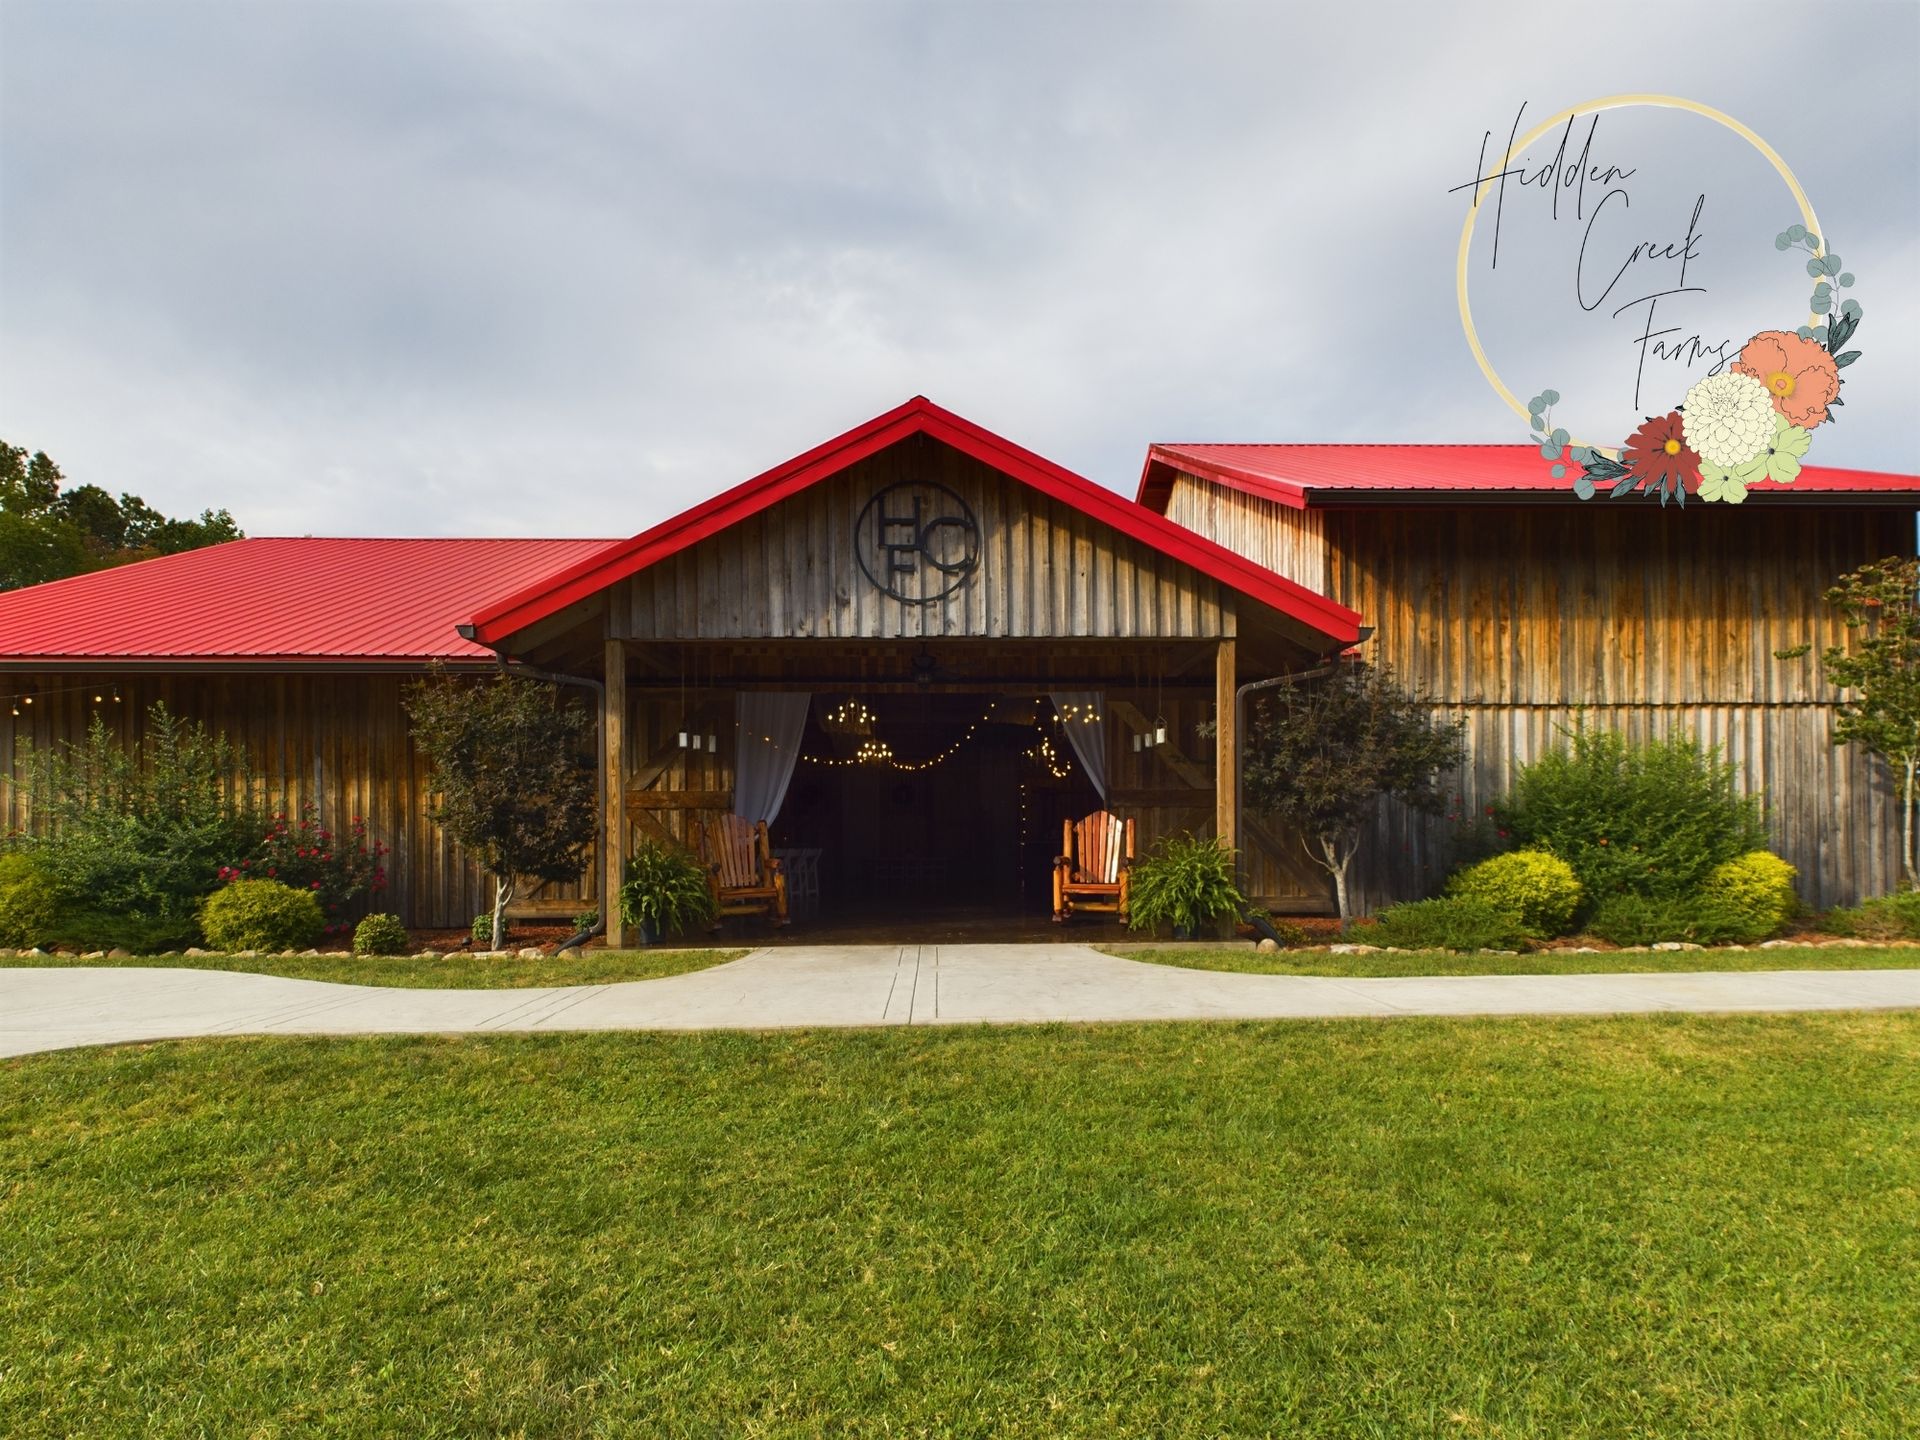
[444, 268]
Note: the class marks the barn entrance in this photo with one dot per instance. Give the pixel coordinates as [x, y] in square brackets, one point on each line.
[931, 806]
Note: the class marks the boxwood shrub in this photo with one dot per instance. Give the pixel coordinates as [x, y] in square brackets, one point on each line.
[380, 934]
[1456, 922]
[261, 915]
[1758, 885]
[1536, 888]
[27, 902]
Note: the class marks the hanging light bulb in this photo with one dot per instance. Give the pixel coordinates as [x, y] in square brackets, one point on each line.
[1159, 731]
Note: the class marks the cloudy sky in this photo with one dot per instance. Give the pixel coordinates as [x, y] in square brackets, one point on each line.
[444, 268]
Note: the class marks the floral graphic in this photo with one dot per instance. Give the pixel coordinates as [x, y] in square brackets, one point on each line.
[1729, 418]
[1659, 454]
[1799, 374]
[1749, 425]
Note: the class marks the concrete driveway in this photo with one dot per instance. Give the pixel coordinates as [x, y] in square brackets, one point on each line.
[853, 985]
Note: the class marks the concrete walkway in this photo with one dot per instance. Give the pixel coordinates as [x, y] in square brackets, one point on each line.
[51, 1009]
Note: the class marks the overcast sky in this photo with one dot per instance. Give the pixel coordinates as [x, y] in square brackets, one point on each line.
[412, 268]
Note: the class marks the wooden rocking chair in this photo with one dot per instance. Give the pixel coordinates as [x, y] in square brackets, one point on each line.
[741, 871]
[1091, 872]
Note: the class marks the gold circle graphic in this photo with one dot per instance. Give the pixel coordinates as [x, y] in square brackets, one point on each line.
[1519, 147]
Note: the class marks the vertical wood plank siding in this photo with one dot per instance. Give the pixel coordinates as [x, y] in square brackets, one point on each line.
[1046, 570]
[1529, 619]
[340, 741]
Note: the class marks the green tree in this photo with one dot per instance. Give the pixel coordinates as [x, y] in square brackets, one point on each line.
[48, 532]
[512, 765]
[1321, 755]
[1879, 663]
[139, 830]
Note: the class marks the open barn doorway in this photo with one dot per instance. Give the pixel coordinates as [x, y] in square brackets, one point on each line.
[931, 815]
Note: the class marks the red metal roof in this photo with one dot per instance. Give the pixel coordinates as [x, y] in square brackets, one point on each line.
[1302, 475]
[918, 416]
[279, 600]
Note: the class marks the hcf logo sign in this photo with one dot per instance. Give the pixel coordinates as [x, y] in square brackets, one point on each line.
[917, 541]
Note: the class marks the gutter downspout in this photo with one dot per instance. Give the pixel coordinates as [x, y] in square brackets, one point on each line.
[1325, 668]
[510, 666]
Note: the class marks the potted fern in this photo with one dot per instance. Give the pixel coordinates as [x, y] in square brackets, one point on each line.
[1185, 881]
[665, 893]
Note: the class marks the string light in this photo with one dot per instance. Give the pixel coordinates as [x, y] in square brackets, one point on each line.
[101, 695]
[1043, 753]
[878, 752]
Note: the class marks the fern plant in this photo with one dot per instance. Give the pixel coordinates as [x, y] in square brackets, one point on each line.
[666, 891]
[1185, 881]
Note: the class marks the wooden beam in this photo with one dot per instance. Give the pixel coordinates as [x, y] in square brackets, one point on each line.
[1226, 769]
[613, 806]
[679, 800]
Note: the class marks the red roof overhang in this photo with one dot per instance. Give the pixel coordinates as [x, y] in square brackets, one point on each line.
[1299, 476]
[919, 416]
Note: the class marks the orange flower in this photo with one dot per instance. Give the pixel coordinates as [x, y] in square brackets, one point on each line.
[1799, 374]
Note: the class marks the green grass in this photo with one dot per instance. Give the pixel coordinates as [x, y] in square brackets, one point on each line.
[448, 972]
[1246, 959]
[1642, 1227]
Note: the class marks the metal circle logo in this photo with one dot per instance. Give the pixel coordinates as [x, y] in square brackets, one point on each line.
[911, 531]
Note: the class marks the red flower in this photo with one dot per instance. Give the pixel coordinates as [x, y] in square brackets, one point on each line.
[271, 872]
[1657, 452]
[314, 886]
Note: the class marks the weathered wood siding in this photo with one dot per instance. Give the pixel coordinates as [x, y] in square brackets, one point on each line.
[1045, 571]
[1287, 541]
[1527, 619]
[340, 741]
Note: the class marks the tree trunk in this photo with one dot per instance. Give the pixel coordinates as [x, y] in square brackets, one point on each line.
[502, 895]
[1906, 824]
[1337, 864]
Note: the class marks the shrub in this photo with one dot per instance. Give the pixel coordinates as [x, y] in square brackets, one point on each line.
[1185, 881]
[1890, 917]
[1536, 888]
[380, 934]
[585, 921]
[1649, 819]
[1757, 884]
[1291, 935]
[86, 927]
[666, 891]
[139, 830]
[1650, 919]
[307, 855]
[1454, 923]
[27, 902]
[482, 931]
[261, 915]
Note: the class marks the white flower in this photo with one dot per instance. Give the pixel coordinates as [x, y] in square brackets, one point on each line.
[1728, 418]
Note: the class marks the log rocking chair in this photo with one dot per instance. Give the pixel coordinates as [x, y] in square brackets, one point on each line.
[1091, 871]
[741, 871]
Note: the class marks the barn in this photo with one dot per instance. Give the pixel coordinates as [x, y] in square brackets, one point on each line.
[917, 648]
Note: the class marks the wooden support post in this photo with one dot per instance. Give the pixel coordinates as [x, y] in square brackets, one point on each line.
[1226, 768]
[613, 799]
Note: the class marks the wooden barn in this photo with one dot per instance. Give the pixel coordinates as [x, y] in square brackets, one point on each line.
[917, 649]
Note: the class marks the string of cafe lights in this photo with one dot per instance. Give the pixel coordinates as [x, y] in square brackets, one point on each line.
[878, 752]
[102, 695]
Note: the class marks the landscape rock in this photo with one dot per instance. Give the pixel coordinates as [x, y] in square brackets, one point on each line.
[531, 952]
[119, 952]
[94, 955]
[1776, 944]
[196, 950]
[1582, 950]
[1503, 952]
[307, 954]
[1353, 949]
[427, 955]
[1268, 945]
[6, 953]
[245, 954]
[1850, 944]
[1677, 945]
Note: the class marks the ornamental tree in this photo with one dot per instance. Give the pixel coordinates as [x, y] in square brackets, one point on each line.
[1879, 663]
[513, 772]
[1322, 754]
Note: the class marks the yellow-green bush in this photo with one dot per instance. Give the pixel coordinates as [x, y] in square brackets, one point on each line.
[1757, 885]
[380, 934]
[1535, 888]
[27, 902]
[261, 915]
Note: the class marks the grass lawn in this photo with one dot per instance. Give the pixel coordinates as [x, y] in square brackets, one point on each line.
[1641, 1227]
[1448, 962]
[449, 972]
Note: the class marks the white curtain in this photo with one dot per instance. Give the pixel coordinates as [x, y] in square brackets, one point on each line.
[767, 725]
[1089, 739]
